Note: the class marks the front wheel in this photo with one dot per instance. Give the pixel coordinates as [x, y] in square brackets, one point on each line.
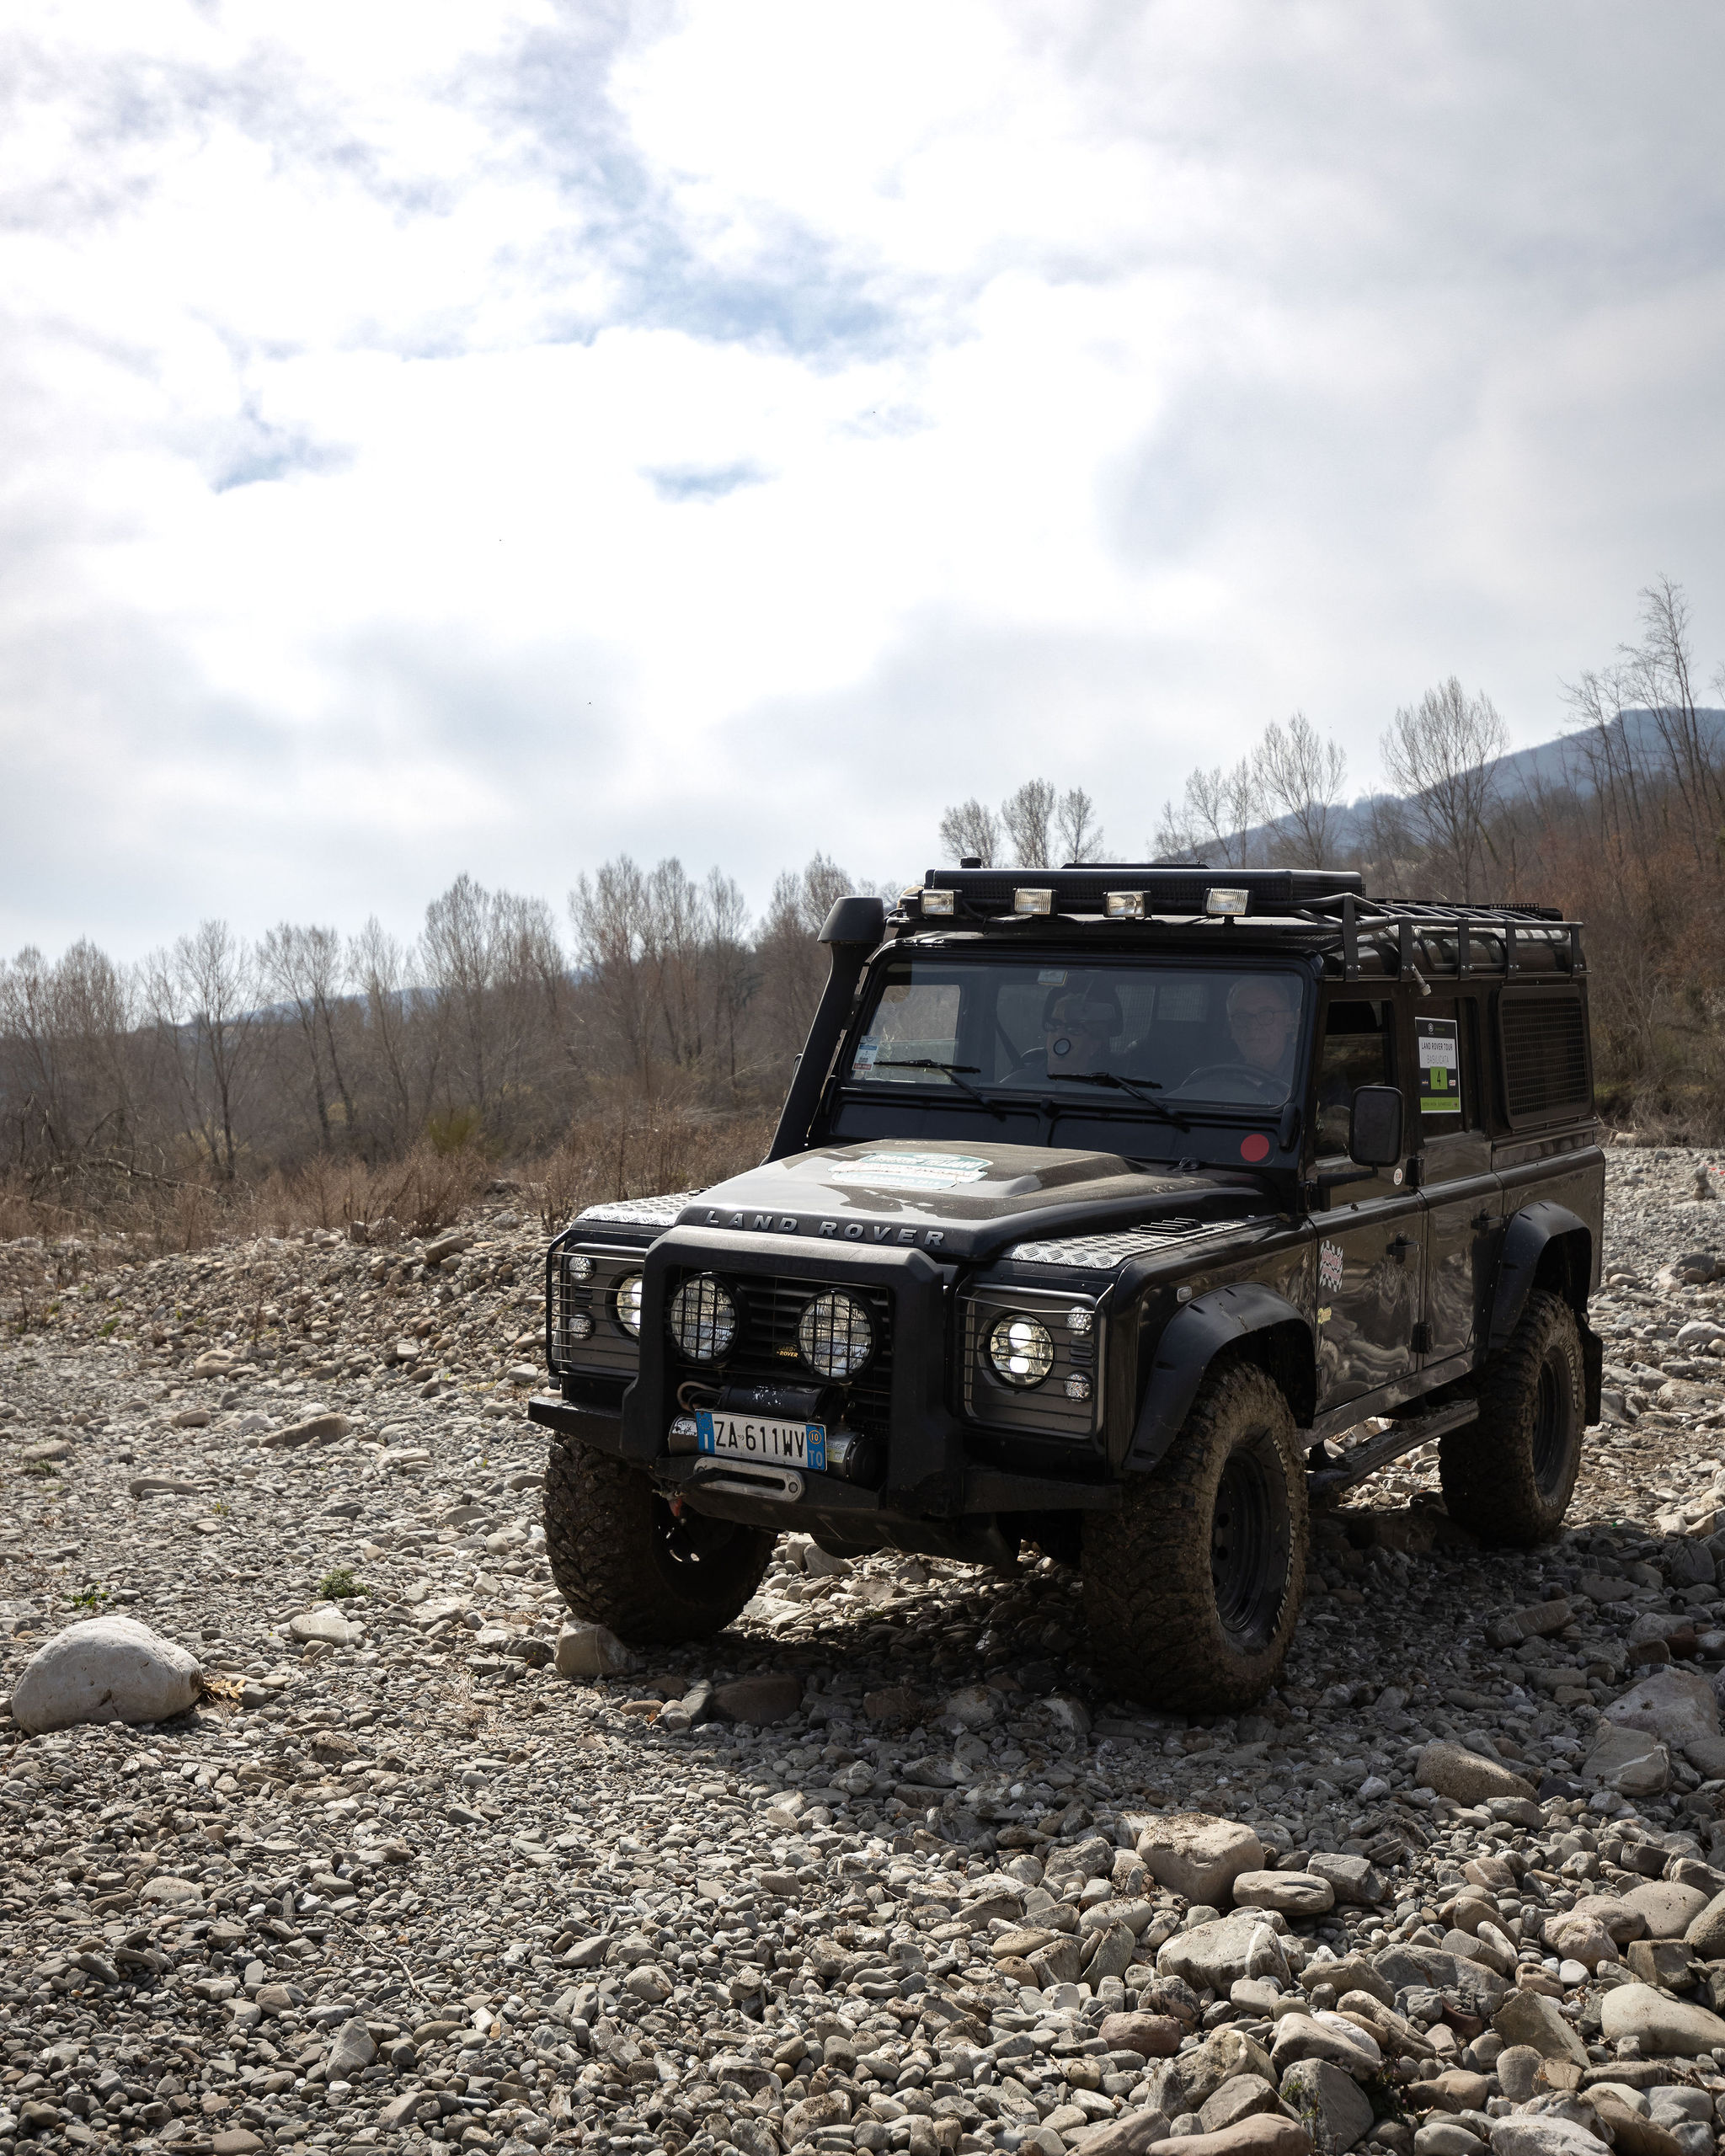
[1192, 1589]
[1510, 1475]
[621, 1557]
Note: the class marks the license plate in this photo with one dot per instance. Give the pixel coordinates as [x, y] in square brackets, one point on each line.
[756, 1437]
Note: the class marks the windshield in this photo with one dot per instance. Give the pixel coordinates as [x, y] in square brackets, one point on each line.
[1168, 1033]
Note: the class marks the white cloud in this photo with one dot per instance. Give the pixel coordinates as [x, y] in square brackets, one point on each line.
[442, 440]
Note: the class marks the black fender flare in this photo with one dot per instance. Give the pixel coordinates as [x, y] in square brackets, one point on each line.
[1191, 1341]
[1528, 1234]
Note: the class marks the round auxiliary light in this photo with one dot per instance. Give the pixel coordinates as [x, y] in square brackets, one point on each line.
[578, 1268]
[1022, 1350]
[835, 1334]
[703, 1318]
[628, 1303]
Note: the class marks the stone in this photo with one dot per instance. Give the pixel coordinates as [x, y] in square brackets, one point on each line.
[1239, 2097]
[1444, 2137]
[1524, 2018]
[105, 1669]
[1151, 2036]
[325, 1623]
[1196, 2075]
[974, 1706]
[1115, 1951]
[1670, 2027]
[811, 2114]
[1352, 1880]
[1324, 2036]
[1453, 1771]
[1707, 1755]
[1633, 2132]
[591, 1651]
[1334, 2109]
[235, 2141]
[1706, 1932]
[1621, 1924]
[1264, 2134]
[1481, 1989]
[1630, 1761]
[1352, 1972]
[1211, 1957]
[1199, 1855]
[1539, 1622]
[1522, 2134]
[1676, 1706]
[1295, 1893]
[1580, 1938]
[314, 1430]
[350, 2049]
[893, 1703]
[757, 1702]
[402, 2110]
[1666, 1909]
[1132, 2134]
[1518, 2070]
[1455, 2089]
[163, 1887]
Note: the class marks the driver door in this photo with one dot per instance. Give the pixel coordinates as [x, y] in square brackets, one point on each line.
[1371, 1241]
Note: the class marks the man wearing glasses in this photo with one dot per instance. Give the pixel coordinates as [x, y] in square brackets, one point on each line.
[1077, 1025]
[1263, 1014]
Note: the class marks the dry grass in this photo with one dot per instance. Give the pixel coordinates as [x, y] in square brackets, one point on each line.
[631, 1149]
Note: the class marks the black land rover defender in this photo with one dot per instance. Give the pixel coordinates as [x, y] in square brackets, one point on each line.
[1102, 1200]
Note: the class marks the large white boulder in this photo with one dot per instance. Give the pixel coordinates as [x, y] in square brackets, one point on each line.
[1677, 1705]
[1197, 1854]
[106, 1669]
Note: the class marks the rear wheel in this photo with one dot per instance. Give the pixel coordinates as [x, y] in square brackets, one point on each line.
[1192, 1589]
[1508, 1477]
[621, 1558]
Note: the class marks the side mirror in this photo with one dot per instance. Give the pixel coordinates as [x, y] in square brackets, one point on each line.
[1375, 1126]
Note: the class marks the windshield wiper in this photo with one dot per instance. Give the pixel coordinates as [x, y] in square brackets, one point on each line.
[1140, 1088]
[955, 1071]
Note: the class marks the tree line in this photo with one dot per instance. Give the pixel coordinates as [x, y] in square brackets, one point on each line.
[223, 1060]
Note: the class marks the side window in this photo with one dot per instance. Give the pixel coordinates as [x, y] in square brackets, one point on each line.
[1443, 1041]
[1355, 1051]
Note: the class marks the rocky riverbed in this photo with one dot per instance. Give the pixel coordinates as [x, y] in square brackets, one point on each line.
[880, 1869]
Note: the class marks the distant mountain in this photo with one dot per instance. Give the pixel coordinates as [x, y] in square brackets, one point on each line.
[1548, 766]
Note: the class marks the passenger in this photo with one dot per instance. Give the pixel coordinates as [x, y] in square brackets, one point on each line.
[1078, 1023]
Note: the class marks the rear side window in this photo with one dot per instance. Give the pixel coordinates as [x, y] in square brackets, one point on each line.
[1355, 1051]
[1542, 1037]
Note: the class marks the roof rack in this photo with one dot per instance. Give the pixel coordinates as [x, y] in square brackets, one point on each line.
[1302, 905]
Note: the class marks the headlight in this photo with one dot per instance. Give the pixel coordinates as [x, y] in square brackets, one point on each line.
[835, 1334]
[704, 1319]
[628, 1303]
[1022, 1350]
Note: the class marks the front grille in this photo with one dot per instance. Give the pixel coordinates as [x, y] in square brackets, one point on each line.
[770, 1308]
[608, 1348]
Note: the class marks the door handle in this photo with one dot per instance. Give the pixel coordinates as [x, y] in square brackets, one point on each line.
[1401, 1246]
[1481, 1222]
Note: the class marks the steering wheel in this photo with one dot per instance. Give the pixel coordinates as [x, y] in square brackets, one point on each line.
[1264, 1083]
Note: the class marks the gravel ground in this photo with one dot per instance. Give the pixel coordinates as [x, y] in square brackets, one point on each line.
[394, 1879]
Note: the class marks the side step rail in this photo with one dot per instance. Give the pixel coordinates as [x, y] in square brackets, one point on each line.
[1323, 1484]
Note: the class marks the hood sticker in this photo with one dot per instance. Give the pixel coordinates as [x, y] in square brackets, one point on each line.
[912, 1171]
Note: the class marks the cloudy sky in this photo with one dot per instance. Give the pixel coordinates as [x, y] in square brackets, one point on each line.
[449, 436]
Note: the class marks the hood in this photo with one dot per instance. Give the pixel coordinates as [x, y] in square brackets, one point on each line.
[918, 1187]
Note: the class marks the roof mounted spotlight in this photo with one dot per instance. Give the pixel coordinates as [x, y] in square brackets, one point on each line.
[936, 902]
[1032, 902]
[1124, 905]
[1228, 901]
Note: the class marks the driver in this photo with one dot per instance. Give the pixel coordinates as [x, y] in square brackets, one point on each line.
[1077, 1025]
[1264, 1010]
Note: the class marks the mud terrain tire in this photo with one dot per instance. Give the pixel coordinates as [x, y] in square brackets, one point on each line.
[1508, 1477]
[620, 1558]
[1192, 1589]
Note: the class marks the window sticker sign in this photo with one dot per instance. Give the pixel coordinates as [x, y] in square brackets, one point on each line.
[1439, 1066]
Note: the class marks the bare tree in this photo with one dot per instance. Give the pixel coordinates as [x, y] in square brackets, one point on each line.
[1657, 674]
[1214, 818]
[1080, 836]
[1439, 753]
[1299, 775]
[970, 831]
[203, 998]
[1028, 816]
[305, 967]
